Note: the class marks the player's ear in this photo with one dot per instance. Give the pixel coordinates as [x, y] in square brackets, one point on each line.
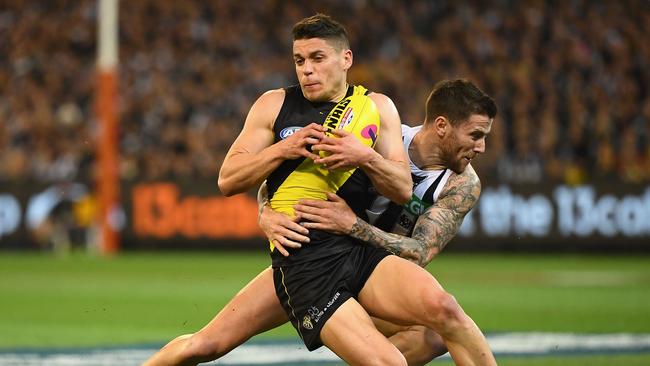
[347, 59]
[441, 125]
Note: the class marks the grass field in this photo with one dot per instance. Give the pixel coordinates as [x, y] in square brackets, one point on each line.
[80, 301]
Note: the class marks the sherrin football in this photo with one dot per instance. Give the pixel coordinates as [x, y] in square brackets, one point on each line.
[356, 114]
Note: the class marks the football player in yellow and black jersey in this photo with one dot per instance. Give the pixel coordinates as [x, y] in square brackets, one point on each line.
[445, 188]
[328, 296]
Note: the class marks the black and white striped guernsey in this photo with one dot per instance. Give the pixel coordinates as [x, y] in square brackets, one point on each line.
[427, 185]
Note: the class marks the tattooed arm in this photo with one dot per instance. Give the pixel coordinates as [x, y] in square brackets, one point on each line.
[433, 229]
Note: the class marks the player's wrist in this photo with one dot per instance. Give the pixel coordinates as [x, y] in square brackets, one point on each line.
[347, 229]
[279, 151]
[369, 159]
[357, 228]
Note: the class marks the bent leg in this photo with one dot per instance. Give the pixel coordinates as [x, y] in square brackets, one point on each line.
[350, 333]
[417, 343]
[404, 293]
[253, 310]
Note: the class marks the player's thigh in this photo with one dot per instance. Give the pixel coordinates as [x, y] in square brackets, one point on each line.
[255, 309]
[351, 334]
[400, 292]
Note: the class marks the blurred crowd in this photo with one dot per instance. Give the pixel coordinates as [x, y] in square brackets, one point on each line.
[571, 79]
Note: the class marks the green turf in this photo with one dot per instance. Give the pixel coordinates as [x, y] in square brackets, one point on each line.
[550, 293]
[48, 301]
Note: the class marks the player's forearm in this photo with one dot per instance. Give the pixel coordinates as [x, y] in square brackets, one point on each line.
[414, 250]
[243, 171]
[392, 179]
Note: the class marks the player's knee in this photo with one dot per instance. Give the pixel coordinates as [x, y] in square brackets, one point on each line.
[431, 345]
[445, 312]
[199, 348]
[437, 346]
[424, 345]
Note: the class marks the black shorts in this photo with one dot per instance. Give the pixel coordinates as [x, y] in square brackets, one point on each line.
[310, 292]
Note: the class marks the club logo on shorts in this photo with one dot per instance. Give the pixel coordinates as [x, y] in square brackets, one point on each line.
[306, 323]
[288, 131]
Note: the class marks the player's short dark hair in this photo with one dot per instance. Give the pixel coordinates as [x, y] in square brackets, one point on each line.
[324, 27]
[457, 100]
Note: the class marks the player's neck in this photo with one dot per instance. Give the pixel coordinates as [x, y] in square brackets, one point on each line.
[340, 94]
[425, 153]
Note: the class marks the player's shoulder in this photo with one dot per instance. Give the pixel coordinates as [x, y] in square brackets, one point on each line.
[471, 175]
[381, 100]
[461, 193]
[386, 108]
[269, 102]
[266, 108]
[466, 183]
[272, 96]
[409, 131]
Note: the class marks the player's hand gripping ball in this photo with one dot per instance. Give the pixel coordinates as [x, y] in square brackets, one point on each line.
[356, 114]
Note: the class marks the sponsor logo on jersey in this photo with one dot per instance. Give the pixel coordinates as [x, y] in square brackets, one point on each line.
[416, 206]
[288, 131]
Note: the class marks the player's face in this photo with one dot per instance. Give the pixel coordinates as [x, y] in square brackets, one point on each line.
[321, 69]
[466, 141]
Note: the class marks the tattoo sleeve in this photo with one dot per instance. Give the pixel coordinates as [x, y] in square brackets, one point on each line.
[434, 228]
[403, 246]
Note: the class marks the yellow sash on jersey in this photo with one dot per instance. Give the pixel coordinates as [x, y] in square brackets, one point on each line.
[309, 181]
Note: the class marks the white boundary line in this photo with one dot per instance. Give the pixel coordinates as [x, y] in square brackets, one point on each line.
[290, 352]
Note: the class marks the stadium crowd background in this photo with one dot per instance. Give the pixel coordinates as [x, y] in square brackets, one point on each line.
[571, 78]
